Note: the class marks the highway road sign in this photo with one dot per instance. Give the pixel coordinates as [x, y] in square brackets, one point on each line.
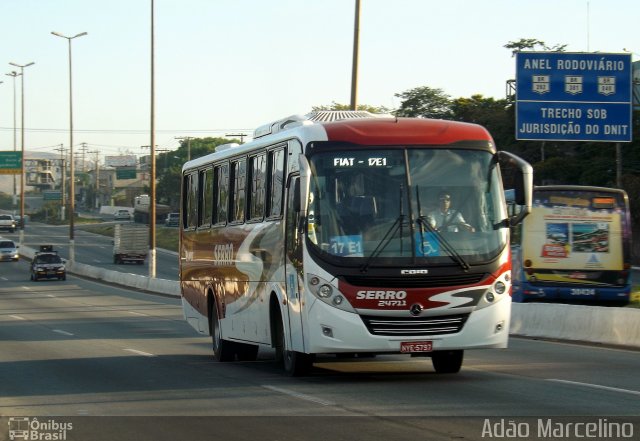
[10, 163]
[563, 96]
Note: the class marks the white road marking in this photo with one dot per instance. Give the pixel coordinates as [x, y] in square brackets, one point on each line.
[596, 386]
[299, 395]
[60, 331]
[138, 313]
[135, 351]
[3, 278]
[51, 295]
[17, 317]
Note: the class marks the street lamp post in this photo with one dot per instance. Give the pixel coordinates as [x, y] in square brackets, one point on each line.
[72, 198]
[14, 74]
[22, 66]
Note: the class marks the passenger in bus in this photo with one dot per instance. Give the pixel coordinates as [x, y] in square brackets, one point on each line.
[447, 219]
[356, 210]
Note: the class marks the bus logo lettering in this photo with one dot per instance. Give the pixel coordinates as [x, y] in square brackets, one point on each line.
[414, 271]
[343, 162]
[223, 254]
[381, 295]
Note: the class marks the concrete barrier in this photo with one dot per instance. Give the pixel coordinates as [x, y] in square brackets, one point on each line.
[162, 286]
[595, 324]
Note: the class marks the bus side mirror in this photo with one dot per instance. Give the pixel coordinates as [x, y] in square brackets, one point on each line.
[522, 183]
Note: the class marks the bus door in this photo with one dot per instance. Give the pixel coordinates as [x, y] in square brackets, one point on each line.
[294, 269]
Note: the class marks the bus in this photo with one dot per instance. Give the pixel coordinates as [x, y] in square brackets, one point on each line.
[575, 246]
[312, 239]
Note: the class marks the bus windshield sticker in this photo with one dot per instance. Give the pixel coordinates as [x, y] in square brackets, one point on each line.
[346, 246]
[426, 244]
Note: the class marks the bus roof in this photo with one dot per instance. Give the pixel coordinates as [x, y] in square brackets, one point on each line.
[358, 128]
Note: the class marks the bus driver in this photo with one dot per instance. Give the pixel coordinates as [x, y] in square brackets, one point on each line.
[446, 219]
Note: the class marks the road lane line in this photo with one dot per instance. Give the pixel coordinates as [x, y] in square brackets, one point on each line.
[4, 278]
[301, 396]
[596, 386]
[17, 317]
[135, 351]
[60, 331]
[138, 313]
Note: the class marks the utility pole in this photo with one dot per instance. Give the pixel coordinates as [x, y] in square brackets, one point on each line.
[188, 138]
[14, 74]
[97, 173]
[240, 135]
[63, 172]
[84, 150]
[165, 157]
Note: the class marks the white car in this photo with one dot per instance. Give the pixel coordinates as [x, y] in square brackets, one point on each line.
[122, 215]
[8, 250]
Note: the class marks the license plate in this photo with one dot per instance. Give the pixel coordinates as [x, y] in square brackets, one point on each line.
[407, 347]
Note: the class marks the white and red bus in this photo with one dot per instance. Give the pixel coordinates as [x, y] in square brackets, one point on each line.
[313, 239]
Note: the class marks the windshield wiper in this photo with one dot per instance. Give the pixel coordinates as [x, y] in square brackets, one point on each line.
[455, 256]
[386, 239]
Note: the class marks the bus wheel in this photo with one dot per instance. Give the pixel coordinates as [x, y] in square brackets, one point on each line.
[296, 364]
[246, 352]
[447, 362]
[223, 350]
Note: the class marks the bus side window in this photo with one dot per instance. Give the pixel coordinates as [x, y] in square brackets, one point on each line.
[258, 168]
[276, 179]
[207, 197]
[192, 200]
[238, 197]
[221, 193]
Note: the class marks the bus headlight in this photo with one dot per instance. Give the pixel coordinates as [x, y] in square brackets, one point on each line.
[325, 291]
[329, 294]
[496, 292]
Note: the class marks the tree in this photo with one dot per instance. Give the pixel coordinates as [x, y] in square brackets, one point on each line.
[361, 107]
[170, 164]
[532, 44]
[425, 102]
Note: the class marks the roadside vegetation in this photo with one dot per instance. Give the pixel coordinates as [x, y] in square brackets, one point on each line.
[166, 238]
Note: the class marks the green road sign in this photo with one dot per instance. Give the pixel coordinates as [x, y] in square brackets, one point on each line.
[10, 163]
[125, 173]
[52, 195]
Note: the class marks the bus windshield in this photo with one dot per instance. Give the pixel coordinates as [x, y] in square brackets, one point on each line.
[406, 206]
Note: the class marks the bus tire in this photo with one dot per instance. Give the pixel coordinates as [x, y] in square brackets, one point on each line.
[296, 364]
[447, 362]
[223, 350]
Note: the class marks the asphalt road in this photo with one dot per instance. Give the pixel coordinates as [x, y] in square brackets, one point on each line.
[81, 349]
[94, 249]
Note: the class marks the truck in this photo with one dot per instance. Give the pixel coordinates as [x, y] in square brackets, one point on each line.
[141, 208]
[130, 243]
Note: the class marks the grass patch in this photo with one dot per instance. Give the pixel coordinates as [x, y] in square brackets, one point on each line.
[166, 238]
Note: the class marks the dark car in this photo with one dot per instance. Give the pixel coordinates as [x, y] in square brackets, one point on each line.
[48, 265]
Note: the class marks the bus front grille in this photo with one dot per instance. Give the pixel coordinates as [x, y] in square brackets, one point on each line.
[415, 282]
[415, 326]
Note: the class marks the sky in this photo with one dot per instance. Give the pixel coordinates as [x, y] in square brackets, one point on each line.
[228, 66]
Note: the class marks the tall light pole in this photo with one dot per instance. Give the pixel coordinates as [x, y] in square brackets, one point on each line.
[354, 68]
[72, 198]
[22, 66]
[14, 74]
[152, 196]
